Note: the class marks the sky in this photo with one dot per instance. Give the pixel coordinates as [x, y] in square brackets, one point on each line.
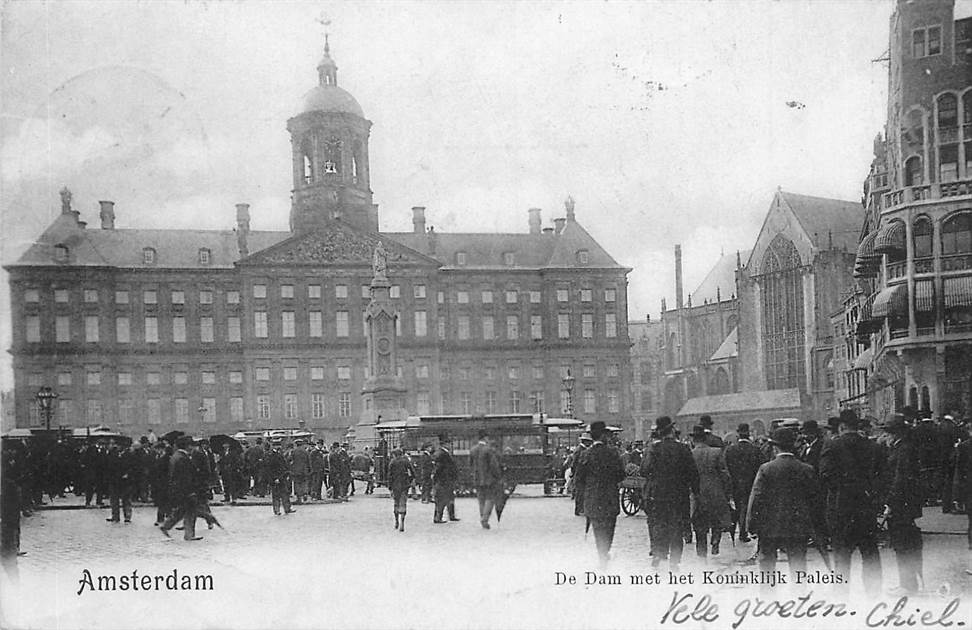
[668, 122]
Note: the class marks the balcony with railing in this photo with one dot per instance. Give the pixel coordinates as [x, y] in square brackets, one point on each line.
[925, 264]
[897, 269]
[956, 262]
[926, 192]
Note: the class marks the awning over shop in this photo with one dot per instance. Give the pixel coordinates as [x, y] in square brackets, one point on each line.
[891, 302]
[958, 291]
[868, 260]
[864, 359]
[866, 322]
[890, 239]
[924, 296]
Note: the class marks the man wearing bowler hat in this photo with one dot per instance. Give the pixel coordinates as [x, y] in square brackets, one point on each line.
[599, 472]
[850, 469]
[903, 502]
[672, 477]
[813, 443]
[784, 507]
[743, 460]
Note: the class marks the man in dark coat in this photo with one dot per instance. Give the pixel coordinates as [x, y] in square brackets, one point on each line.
[339, 465]
[850, 469]
[487, 477]
[159, 479]
[671, 478]
[599, 472]
[424, 470]
[575, 459]
[710, 507]
[231, 472]
[742, 460]
[253, 460]
[712, 439]
[121, 473]
[278, 476]
[300, 469]
[445, 476]
[813, 444]
[904, 499]
[400, 476]
[950, 434]
[183, 491]
[784, 507]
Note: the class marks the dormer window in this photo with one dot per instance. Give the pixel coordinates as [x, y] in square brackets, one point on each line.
[148, 256]
[61, 253]
[205, 256]
[583, 257]
[509, 259]
[461, 259]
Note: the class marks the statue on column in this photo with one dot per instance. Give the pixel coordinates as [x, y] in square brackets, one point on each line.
[380, 263]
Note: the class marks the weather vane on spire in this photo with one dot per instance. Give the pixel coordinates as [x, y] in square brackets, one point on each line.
[325, 21]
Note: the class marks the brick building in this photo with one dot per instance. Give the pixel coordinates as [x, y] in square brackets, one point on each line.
[216, 331]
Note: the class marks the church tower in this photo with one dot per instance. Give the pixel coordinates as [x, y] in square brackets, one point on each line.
[329, 137]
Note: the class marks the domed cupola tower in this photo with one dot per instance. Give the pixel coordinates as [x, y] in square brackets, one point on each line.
[329, 137]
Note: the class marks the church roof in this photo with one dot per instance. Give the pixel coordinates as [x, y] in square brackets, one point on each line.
[720, 281]
[729, 347]
[827, 221]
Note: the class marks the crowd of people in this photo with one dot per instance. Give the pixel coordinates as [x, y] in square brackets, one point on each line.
[840, 488]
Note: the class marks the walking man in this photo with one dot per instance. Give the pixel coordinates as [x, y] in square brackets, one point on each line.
[445, 475]
[400, 476]
[487, 477]
[300, 468]
[903, 503]
[742, 460]
[599, 473]
[182, 491]
[121, 468]
[850, 469]
[711, 506]
[784, 507]
[278, 474]
[672, 476]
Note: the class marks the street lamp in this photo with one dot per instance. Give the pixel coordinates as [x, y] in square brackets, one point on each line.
[45, 399]
[568, 382]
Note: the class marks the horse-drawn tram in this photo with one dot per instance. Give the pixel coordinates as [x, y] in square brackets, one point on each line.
[528, 444]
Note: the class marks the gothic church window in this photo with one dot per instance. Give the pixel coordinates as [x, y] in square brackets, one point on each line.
[781, 287]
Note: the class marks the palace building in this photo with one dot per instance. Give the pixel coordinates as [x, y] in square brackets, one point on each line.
[216, 331]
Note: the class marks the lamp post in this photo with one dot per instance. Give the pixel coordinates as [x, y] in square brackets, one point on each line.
[45, 400]
[568, 382]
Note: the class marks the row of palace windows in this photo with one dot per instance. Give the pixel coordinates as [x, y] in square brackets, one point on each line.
[582, 256]
[92, 326]
[150, 255]
[287, 291]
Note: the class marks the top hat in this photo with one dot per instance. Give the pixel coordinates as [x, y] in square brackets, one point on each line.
[597, 428]
[896, 423]
[810, 427]
[705, 421]
[663, 424]
[743, 429]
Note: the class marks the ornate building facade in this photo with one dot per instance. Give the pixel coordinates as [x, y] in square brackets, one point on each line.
[914, 262]
[216, 331]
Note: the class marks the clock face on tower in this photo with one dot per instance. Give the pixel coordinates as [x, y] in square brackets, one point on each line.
[384, 346]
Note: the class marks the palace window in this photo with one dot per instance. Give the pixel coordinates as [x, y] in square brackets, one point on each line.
[512, 327]
[314, 291]
[90, 296]
[148, 256]
[61, 296]
[91, 329]
[260, 324]
[489, 332]
[232, 297]
[233, 333]
[205, 256]
[536, 327]
[206, 329]
[287, 291]
[315, 323]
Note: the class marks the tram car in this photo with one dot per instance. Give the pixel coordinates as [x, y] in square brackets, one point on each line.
[529, 445]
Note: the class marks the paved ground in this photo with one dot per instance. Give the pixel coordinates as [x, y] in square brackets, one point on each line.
[333, 565]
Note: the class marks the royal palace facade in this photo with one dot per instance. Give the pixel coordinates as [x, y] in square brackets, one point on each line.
[217, 331]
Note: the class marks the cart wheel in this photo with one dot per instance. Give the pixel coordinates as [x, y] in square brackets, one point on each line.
[629, 501]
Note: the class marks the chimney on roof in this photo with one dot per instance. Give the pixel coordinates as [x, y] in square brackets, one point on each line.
[663, 306]
[107, 215]
[242, 228]
[534, 220]
[569, 206]
[418, 219]
[432, 240]
[678, 276]
[559, 225]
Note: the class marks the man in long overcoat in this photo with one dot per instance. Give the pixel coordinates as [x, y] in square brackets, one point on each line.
[278, 476]
[850, 470]
[339, 467]
[784, 507]
[599, 473]
[300, 468]
[742, 460]
[400, 477]
[487, 476]
[317, 469]
[253, 461]
[904, 499]
[121, 470]
[183, 491]
[445, 476]
[711, 506]
[671, 478]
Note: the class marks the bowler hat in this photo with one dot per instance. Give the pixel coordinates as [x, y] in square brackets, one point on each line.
[785, 438]
[810, 427]
[662, 424]
[705, 421]
[895, 423]
[743, 429]
[597, 428]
